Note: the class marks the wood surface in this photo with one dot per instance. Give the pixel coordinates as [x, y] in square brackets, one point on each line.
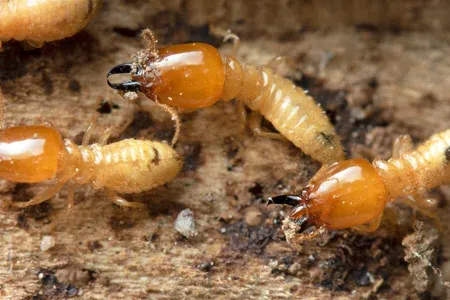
[378, 76]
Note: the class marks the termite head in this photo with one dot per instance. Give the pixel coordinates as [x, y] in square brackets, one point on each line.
[341, 195]
[30, 153]
[186, 76]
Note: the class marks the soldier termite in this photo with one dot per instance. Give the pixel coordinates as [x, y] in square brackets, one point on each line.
[192, 76]
[44, 20]
[32, 154]
[354, 193]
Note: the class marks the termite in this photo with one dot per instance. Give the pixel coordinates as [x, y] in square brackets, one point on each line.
[42, 21]
[353, 193]
[32, 154]
[192, 76]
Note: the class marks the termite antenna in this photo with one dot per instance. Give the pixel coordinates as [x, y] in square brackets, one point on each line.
[291, 200]
[176, 119]
[227, 35]
[127, 86]
[150, 37]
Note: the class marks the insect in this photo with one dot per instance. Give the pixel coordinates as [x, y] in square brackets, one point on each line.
[192, 76]
[353, 193]
[44, 20]
[32, 154]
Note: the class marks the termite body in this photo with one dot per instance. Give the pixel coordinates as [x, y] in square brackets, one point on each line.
[192, 76]
[354, 193]
[32, 154]
[44, 20]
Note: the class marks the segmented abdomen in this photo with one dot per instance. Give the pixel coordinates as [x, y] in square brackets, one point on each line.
[293, 113]
[419, 170]
[133, 166]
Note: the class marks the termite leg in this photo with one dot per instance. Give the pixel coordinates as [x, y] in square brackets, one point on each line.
[71, 196]
[420, 204]
[34, 44]
[255, 121]
[116, 199]
[300, 238]
[236, 43]
[242, 114]
[45, 195]
[275, 63]
[88, 134]
[227, 36]
[402, 144]
[70, 204]
[370, 226]
[103, 139]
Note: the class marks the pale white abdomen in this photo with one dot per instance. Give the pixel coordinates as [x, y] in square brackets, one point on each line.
[133, 166]
[293, 113]
[419, 170]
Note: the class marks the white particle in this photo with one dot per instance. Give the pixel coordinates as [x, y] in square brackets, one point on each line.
[47, 242]
[185, 223]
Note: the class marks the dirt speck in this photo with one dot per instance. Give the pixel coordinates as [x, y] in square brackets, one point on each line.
[119, 223]
[94, 245]
[243, 238]
[206, 266]
[192, 156]
[257, 190]
[52, 288]
[38, 212]
[74, 86]
[106, 107]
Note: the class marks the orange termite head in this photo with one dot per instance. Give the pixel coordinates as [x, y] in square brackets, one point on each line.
[342, 195]
[186, 76]
[29, 153]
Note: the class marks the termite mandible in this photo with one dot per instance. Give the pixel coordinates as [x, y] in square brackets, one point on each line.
[44, 20]
[32, 154]
[353, 193]
[192, 76]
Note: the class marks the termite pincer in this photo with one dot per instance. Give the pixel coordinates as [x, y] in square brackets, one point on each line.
[353, 193]
[32, 154]
[44, 20]
[192, 76]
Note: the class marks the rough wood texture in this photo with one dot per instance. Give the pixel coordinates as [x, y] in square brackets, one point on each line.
[376, 82]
